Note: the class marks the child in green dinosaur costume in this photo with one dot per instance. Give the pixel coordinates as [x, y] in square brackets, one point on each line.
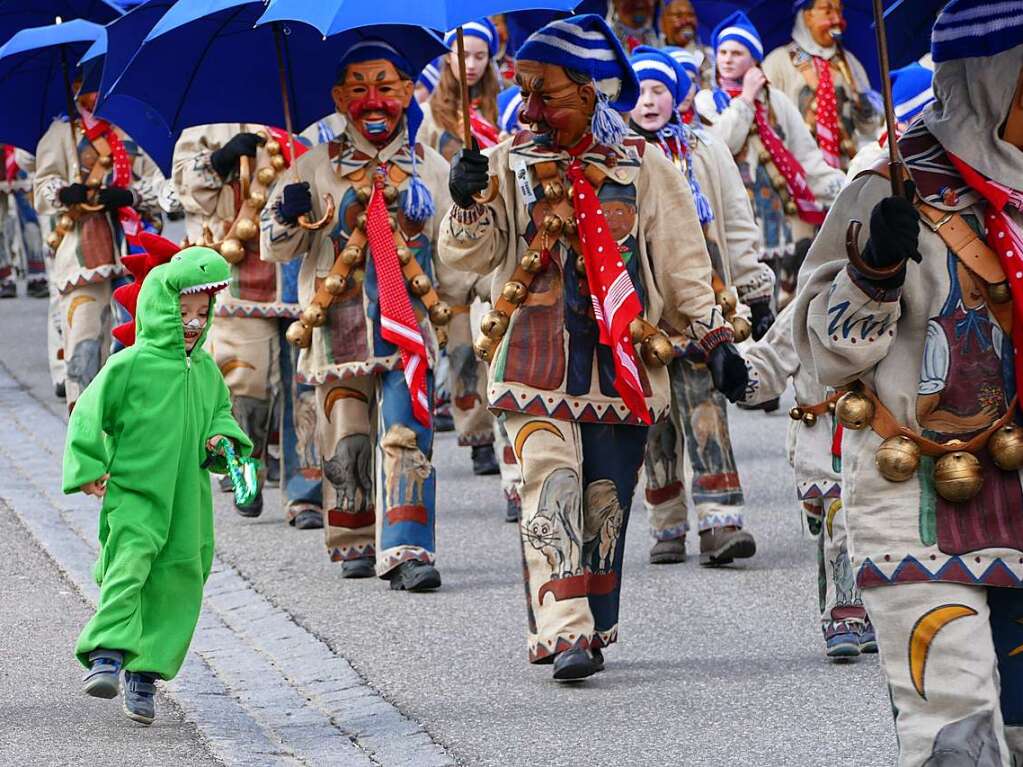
[143, 437]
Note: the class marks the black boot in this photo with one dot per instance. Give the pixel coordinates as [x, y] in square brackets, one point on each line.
[60, 390]
[252, 509]
[414, 575]
[363, 567]
[484, 462]
[573, 665]
[598, 659]
[38, 288]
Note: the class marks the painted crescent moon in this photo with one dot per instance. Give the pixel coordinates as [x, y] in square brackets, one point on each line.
[833, 509]
[233, 364]
[75, 303]
[340, 392]
[531, 428]
[923, 633]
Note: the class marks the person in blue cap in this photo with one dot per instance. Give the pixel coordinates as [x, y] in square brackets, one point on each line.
[918, 314]
[679, 23]
[592, 240]
[826, 82]
[367, 329]
[787, 178]
[744, 287]
[509, 107]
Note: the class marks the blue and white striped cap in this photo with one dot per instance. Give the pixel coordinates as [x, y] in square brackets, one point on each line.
[509, 102]
[911, 90]
[740, 29]
[586, 44]
[653, 64]
[430, 75]
[973, 28]
[691, 61]
[483, 29]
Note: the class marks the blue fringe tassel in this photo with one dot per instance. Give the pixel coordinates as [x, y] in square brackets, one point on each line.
[608, 127]
[721, 100]
[682, 134]
[418, 204]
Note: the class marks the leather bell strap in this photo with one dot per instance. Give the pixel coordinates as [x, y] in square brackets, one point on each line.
[820, 408]
[323, 297]
[886, 426]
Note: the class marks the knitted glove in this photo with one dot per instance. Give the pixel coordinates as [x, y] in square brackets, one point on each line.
[468, 176]
[296, 200]
[728, 369]
[762, 317]
[76, 194]
[894, 231]
[225, 158]
[115, 197]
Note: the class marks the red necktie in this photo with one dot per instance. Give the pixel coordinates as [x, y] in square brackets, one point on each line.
[827, 113]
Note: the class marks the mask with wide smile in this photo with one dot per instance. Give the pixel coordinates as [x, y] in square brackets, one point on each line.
[373, 97]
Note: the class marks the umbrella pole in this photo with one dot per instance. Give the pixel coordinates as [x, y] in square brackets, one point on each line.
[894, 161]
[283, 79]
[70, 106]
[464, 82]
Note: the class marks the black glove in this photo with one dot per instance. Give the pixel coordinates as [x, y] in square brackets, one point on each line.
[469, 175]
[225, 158]
[894, 231]
[728, 369]
[76, 194]
[296, 200]
[114, 198]
[762, 317]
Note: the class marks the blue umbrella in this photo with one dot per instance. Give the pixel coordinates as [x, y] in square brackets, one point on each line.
[909, 24]
[16, 15]
[36, 68]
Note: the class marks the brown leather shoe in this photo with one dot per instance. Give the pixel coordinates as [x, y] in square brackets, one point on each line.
[722, 545]
[670, 552]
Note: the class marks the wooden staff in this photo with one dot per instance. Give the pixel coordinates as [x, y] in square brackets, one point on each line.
[491, 191]
[894, 161]
[69, 101]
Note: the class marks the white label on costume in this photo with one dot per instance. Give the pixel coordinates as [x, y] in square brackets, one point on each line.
[523, 181]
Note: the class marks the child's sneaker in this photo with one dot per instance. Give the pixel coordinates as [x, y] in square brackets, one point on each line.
[842, 639]
[868, 639]
[101, 679]
[140, 696]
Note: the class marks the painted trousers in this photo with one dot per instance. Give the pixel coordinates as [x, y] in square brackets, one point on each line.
[577, 486]
[511, 477]
[21, 243]
[839, 596]
[699, 422]
[376, 456]
[258, 365]
[951, 654]
[54, 333]
[85, 315]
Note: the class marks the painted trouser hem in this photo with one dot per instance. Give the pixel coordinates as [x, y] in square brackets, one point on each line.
[391, 558]
[476, 440]
[294, 508]
[717, 520]
[672, 533]
[348, 553]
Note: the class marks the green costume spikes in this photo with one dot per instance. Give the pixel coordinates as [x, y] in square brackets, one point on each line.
[145, 420]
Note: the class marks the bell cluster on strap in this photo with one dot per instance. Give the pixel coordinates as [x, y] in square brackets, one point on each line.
[809, 414]
[353, 256]
[66, 222]
[728, 303]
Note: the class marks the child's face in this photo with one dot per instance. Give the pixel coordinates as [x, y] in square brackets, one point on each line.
[195, 312]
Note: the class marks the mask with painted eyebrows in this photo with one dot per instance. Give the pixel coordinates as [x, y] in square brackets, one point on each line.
[373, 96]
[557, 108]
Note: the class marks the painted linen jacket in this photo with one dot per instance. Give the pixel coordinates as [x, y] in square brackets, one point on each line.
[549, 362]
[350, 344]
[937, 358]
[91, 251]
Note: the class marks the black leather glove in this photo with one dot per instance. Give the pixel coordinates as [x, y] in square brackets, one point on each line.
[296, 200]
[76, 194]
[225, 158]
[762, 317]
[469, 175]
[728, 369]
[894, 231]
[114, 198]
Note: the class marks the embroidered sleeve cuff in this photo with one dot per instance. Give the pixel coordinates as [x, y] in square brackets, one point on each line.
[760, 287]
[469, 223]
[203, 167]
[716, 337]
[875, 290]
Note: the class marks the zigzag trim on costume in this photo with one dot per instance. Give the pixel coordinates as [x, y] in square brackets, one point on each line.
[952, 570]
[90, 276]
[350, 370]
[345, 553]
[276, 310]
[714, 521]
[819, 488]
[565, 409]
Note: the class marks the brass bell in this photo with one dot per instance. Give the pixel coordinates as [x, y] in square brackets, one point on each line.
[351, 255]
[93, 183]
[299, 335]
[232, 250]
[105, 161]
[314, 316]
[393, 221]
[958, 476]
[514, 292]
[531, 262]
[360, 221]
[442, 336]
[420, 285]
[741, 328]
[657, 350]
[999, 292]
[246, 229]
[390, 193]
[796, 414]
[266, 176]
[790, 208]
[257, 200]
[272, 147]
[809, 419]
[484, 348]
[404, 256]
[568, 227]
[854, 411]
[53, 239]
[898, 458]
[65, 223]
[553, 190]
[362, 194]
[552, 224]
[580, 266]
[494, 324]
[726, 300]
[334, 284]
[637, 330]
[278, 163]
[831, 407]
[1006, 447]
[440, 313]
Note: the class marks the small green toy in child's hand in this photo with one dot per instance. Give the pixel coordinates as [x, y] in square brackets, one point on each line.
[244, 473]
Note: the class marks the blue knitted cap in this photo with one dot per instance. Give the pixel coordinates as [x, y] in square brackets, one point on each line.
[509, 102]
[653, 64]
[740, 29]
[972, 28]
[911, 90]
[483, 29]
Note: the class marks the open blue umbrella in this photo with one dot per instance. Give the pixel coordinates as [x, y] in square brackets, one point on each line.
[909, 24]
[37, 66]
[16, 15]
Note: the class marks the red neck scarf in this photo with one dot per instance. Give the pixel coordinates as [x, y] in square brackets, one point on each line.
[1005, 238]
[484, 131]
[398, 322]
[808, 209]
[615, 303]
[827, 114]
[95, 128]
[10, 164]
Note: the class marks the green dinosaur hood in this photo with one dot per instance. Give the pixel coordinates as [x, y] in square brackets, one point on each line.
[158, 316]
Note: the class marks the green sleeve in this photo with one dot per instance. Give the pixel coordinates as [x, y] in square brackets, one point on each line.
[87, 450]
[223, 423]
